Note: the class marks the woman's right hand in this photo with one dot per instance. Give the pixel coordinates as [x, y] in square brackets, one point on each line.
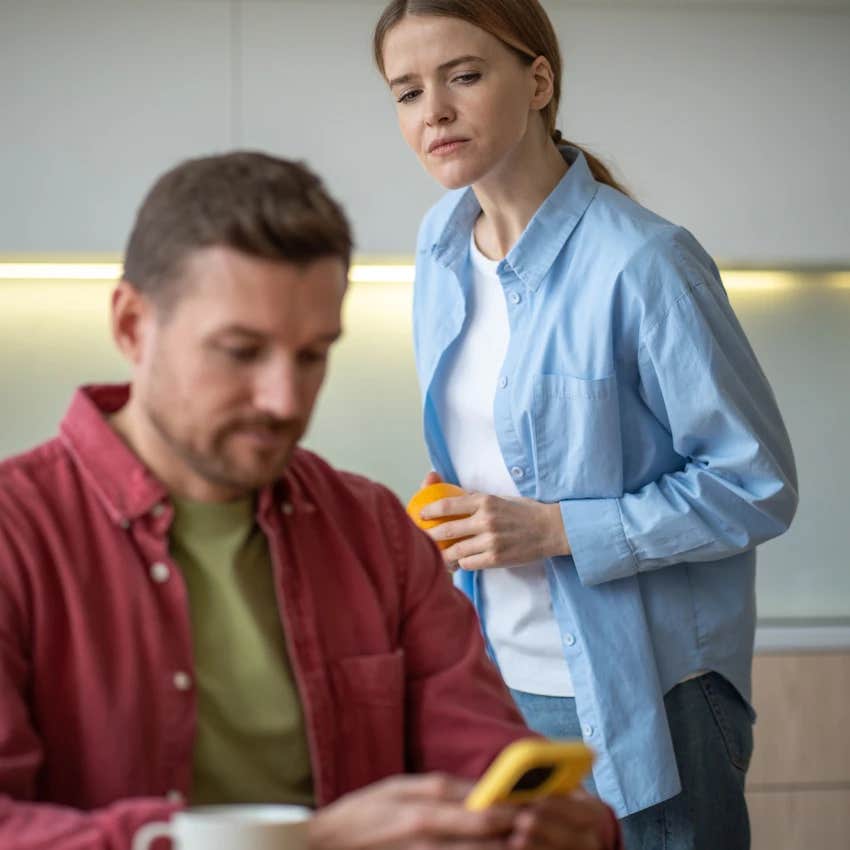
[431, 478]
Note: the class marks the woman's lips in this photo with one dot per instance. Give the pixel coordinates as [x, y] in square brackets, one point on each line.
[444, 148]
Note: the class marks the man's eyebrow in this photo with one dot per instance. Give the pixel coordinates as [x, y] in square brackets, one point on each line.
[242, 330]
[238, 330]
[331, 337]
[446, 66]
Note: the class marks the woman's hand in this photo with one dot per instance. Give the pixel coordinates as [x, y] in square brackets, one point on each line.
[497, 532]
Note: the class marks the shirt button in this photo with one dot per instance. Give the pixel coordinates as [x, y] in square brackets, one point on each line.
[160, 572]
[517, 473]
[503, 381]
[158, 510]
[175, 796]
[569, 639]
[182, 681]
[287, 508]
[515, 297]
[587, 730]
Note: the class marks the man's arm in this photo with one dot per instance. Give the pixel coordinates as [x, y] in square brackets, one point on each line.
[39, 826]
[460, 713]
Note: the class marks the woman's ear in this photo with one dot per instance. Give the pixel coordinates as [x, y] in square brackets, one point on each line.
[544, 83]
[130, 314]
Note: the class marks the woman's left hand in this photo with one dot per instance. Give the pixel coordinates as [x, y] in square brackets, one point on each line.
[497, 532]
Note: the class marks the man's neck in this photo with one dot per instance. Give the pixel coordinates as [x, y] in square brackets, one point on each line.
[136, 430]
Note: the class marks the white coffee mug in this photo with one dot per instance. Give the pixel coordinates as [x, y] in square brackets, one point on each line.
[243, 827]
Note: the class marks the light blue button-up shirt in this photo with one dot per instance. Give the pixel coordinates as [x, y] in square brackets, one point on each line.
[630, 396]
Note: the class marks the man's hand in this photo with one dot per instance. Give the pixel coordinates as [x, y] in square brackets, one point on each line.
[497, 532]
[576, 822]
[411, 813]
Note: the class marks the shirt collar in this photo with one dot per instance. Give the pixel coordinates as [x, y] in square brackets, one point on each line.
[126, 486]
[545, 235]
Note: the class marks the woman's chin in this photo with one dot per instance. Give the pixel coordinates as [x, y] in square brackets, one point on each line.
[453, 178]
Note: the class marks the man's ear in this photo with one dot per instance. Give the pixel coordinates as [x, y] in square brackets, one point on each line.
[132, 317]
[544, 83]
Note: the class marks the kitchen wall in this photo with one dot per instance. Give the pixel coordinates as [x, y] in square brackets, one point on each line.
[731, 118]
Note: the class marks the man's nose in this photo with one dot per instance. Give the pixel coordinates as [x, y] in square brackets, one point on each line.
[277, 390]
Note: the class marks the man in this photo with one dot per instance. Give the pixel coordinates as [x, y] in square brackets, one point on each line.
[193, 609]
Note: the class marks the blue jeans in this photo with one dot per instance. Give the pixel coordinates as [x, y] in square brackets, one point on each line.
[713, 739]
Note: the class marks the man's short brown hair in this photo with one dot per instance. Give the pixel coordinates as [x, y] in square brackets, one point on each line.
[258, 204]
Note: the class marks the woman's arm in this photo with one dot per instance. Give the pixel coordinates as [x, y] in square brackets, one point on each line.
[738, 486]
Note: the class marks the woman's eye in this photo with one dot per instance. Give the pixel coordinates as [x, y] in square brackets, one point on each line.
[409, 96]
[467, 79]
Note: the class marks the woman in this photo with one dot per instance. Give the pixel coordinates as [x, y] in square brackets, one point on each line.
[585, 377]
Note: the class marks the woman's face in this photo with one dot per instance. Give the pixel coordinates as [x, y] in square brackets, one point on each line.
[464, 100]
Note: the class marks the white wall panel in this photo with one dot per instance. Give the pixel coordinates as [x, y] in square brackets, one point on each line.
[311, 92]
[729, 118]
[97, 97]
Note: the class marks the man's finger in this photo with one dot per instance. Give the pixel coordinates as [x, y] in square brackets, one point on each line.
[433, 786]
[451, 821]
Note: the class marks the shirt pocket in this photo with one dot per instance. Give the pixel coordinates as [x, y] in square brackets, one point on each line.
[369, 695]
[578, 451]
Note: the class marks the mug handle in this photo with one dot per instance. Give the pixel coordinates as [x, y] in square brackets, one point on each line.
[145, 836]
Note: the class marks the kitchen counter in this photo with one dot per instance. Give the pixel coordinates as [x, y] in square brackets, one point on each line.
[793, 635]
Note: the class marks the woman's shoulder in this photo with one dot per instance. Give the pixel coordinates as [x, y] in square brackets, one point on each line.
[648, 250]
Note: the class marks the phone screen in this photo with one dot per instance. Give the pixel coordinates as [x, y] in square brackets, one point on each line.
[533, 778]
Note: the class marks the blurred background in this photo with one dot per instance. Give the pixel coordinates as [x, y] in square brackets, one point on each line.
[731, 118]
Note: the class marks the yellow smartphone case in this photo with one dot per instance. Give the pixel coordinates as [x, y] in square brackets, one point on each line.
[531, 768]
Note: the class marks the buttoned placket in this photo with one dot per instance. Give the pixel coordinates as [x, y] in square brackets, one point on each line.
[150, 534]
[519, 467]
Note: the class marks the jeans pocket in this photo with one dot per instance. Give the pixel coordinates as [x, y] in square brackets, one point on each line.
[732, 716]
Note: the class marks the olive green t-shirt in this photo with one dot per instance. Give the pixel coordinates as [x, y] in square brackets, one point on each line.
[251, 742]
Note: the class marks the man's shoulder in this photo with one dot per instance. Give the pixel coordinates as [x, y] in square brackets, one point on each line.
[320, 479]
[34, 490]
[34, 468]
[367, 515]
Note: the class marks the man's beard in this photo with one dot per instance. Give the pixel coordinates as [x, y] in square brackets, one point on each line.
[213, 466]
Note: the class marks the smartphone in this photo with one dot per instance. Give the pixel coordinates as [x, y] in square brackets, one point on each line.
[531, 768]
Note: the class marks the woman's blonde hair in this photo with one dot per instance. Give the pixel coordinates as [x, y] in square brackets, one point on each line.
[521, 25]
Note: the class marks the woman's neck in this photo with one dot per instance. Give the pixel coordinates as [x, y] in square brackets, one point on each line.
[512, 193]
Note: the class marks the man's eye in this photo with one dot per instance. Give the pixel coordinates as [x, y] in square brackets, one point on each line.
[242, 354]
[310, 358]
[409, 96]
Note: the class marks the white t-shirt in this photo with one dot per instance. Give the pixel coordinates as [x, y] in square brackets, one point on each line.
[517, 607]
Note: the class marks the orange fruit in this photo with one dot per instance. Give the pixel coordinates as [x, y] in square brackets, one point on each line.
[433, 493]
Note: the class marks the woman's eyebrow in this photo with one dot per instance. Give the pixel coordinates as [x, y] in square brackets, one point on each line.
[446, 66]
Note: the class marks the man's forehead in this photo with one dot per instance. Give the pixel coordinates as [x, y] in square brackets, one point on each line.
[226, 292]
[225, 262]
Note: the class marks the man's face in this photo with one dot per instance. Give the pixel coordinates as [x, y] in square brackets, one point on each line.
[228, 378]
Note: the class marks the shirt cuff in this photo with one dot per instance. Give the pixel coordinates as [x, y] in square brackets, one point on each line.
[597, 540]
